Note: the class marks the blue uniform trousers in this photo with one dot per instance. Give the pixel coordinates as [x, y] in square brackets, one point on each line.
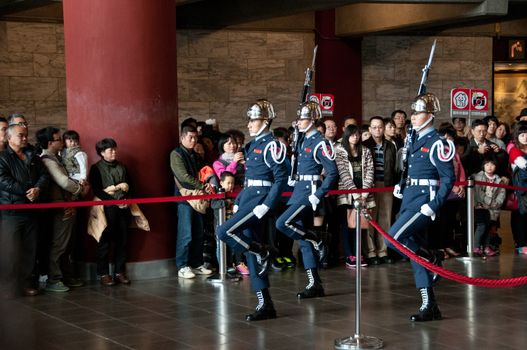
[409, 229]
[238, 232]
[293, 223]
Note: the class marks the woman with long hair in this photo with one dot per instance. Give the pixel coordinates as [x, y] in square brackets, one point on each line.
[355, 165]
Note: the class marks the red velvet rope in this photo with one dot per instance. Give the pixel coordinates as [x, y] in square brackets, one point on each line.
[481, 282]
[207, 196]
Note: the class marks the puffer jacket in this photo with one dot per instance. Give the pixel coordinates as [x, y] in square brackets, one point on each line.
[18, 176]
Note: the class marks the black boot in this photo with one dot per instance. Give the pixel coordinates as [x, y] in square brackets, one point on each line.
[314, 288]
[316, 238]
[265, 309]
[433, 256]
[429, 310]
[263, 257]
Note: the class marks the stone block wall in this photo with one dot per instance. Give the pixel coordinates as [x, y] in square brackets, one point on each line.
[392, 69]
[221, 72]
[32, 73]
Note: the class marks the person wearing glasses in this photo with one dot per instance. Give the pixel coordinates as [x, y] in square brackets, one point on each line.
[61, 220]
[23, 178]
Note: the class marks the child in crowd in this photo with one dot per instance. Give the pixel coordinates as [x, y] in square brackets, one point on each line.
[75, 160]
[227, 183]
[487, 202]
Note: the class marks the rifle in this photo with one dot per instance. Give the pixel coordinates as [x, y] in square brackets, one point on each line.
[410, 133]
[303, 98]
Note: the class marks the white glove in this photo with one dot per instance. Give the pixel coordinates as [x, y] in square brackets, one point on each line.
[397, 192]
[521, 162]
[235, 208]
[426, 210]
[291, 182]
[314, 201]
[260, 210]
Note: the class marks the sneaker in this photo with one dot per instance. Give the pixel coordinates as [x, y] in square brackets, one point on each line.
[351, 262]
[201, 270]
[278, 264]
[57, 287]
[489, 252]
[478, 251]
[231, 270]
[288, 262]
[186, 272]
[363, 262]
[73, 282]
[242, 268]
[523, 250]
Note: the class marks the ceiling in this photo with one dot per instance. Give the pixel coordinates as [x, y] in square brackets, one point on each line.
[354, 18]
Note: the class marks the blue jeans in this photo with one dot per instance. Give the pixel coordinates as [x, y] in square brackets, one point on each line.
[189, 241]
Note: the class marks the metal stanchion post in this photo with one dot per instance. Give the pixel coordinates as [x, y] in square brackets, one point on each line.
[470, 220]
[222, 274]
[358, 341]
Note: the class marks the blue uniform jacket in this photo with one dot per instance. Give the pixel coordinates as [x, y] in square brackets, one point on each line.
[427, 161]
[262, 165]
[314, 154]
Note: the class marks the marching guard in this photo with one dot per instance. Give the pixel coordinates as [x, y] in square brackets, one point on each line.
[265, 179]
[315, 154]
[425, 189]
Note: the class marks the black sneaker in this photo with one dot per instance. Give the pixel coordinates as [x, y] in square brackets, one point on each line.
[278, 264]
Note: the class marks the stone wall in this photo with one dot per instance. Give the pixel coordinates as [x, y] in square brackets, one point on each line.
[392, 69]
[219, 73]
[32, 73]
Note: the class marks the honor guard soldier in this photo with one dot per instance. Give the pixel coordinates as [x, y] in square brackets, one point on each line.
[265, 179]
[425, 189]
[315, 154]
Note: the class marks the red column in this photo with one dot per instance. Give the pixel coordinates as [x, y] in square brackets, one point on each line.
[121, 82]
[338, 69]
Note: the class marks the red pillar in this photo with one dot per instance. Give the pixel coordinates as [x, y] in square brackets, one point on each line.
[338, 69]
[121, 82]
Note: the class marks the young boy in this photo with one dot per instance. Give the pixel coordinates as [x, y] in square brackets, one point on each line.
[487, 203]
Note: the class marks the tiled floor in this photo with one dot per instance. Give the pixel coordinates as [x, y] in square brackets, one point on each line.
[195, 314]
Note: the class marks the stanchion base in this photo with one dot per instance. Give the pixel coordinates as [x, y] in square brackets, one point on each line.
[358, 342]
[469, 258]
[218, 278]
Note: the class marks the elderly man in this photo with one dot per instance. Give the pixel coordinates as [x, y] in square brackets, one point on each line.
[23, 177]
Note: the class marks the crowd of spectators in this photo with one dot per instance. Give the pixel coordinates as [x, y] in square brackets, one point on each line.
[35, 243]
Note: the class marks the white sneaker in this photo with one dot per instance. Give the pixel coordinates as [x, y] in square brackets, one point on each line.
[202, 270]
[186, 272]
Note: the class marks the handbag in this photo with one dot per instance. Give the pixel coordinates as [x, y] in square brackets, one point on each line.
[199, 205]
[511, 201]
[352, 222]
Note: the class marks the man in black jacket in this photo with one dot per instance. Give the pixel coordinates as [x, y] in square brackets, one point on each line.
[23, 177]
[384, 156]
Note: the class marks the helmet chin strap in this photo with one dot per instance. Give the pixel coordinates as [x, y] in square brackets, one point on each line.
[428, 121]
[265, 124]
[307, 127]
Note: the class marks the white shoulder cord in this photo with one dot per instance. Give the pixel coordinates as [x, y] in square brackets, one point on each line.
[322, 144]
[278, 153]
[444, 155]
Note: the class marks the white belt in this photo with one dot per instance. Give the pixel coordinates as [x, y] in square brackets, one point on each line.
[308, 177]
[423, 182]
[257, 183]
